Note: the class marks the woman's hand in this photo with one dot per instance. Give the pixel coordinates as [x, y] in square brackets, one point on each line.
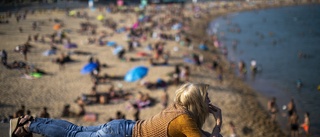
[216, 113]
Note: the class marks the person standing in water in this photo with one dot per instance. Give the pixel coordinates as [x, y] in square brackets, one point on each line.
[273, 109]
[242, 68]
[299, 84]
[253, 66]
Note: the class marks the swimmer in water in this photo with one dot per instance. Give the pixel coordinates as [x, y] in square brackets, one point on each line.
[299, 84]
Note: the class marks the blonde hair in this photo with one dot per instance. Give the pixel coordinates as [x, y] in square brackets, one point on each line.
[193, 98]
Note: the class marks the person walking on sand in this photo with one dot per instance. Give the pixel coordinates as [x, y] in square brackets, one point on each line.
[25, 50]
[273, 108]
[184, 117]
[4, 57]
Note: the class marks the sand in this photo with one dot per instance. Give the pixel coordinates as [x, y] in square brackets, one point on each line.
[239, 103]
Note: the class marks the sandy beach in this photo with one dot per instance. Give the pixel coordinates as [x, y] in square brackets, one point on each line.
[239, 103]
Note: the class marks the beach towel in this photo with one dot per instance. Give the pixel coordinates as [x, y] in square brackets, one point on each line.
[90, 117]
[189, 60]
[49, 52]
[111, 43]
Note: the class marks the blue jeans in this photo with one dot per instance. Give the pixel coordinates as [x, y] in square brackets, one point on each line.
[61, 128]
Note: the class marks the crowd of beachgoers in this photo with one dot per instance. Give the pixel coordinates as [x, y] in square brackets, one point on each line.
[72, 63]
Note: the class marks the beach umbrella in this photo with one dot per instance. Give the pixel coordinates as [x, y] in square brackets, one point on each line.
[117, 50]
[136, 73]
[119, 2]
[72, 13]
[144, 3]
[111, 43]
[135, 25]
[90, 3]
[203, 47]
[100, 17]
[56, 26]
[89, 68]
[70, 45]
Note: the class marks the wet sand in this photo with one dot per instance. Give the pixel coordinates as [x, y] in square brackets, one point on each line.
[237, 100]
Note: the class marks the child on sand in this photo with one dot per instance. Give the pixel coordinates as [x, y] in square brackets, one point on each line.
[306, 124]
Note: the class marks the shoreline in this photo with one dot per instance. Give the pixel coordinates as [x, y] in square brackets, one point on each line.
[262, 99]
[233, 90]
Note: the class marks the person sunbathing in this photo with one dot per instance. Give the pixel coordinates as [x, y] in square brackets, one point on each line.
[153, 63]
[62, 59]
[185, 117]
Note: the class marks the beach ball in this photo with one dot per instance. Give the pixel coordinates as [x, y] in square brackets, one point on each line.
[284, 107]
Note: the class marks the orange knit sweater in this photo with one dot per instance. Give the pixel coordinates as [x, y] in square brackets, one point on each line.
[174, 121]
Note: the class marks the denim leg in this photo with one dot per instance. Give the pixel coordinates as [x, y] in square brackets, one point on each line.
[117, 128]
[68, 125]
[48, 130]
[92, 128]
[62, 123]
[114, 128]
[62, 128]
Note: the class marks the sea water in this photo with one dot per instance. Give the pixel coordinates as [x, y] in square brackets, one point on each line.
[285, 43]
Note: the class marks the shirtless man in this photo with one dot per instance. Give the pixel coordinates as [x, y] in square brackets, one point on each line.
[273, 108]
[291, 107]
[294, 125]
